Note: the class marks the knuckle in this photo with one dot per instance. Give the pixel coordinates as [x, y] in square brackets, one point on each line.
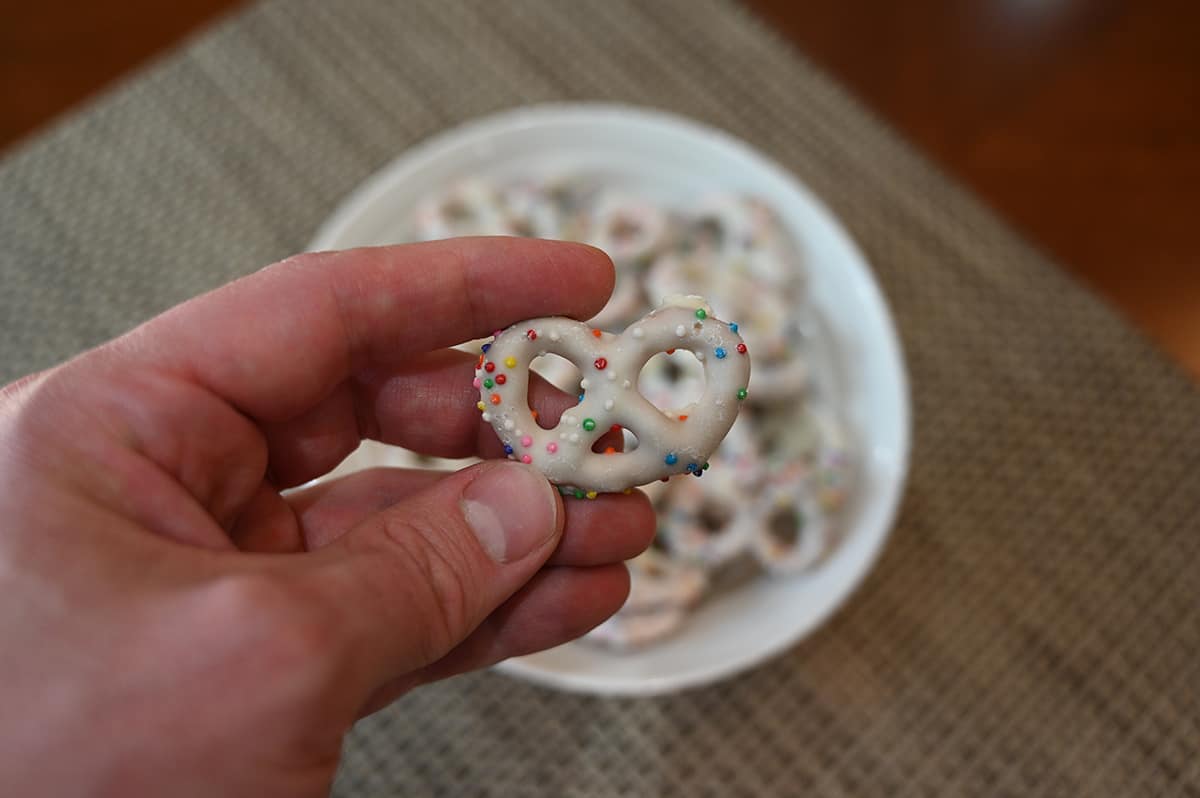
[433, 581]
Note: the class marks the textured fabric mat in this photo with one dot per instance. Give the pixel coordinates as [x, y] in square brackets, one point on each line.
[1033, 627]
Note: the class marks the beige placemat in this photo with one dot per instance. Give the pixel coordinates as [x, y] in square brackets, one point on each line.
[1033, 628]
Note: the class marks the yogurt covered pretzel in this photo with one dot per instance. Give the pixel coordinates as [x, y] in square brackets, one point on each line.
[674, 443]
[661, 593]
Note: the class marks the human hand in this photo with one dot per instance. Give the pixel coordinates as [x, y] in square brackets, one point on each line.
[172, 624]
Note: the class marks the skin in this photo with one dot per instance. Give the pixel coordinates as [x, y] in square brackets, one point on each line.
[174, 624]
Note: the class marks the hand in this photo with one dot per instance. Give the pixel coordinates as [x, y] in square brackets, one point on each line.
[172, 624]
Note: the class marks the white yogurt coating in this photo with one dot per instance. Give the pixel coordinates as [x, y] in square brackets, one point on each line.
[676, 442]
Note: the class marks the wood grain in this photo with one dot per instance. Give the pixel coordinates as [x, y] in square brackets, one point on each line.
[1078, 120]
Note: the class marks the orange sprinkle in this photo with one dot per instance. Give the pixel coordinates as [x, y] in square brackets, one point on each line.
[670, 351]
[683, 417]
[534, 414]
[596, 333]
[479, 365]
[495, 398]
[610, 450]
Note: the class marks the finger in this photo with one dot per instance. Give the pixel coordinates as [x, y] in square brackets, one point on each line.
[557, 606]
[608, 529]
[427, 406]
[440, 394]
[414, 580]
[328, 510]
[277, 342]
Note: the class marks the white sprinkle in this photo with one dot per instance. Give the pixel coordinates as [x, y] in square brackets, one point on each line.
[626, 384]
[486, 416]
[699, 356]
[567, 417]
[553, 335]
[681, 331]
[608, 404]
[574, 437]
[508, 423]
[638, 332]
[584, 383]
[611, 374]
[562, 436]
[518, 433]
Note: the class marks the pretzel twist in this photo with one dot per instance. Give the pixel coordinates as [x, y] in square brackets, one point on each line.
[669, 442]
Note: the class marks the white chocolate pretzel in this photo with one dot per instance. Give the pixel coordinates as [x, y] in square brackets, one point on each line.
[677, 442]
[711, 522]
[661, 592]
[793, 530]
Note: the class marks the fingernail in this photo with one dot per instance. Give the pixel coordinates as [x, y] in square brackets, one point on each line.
[512, 510]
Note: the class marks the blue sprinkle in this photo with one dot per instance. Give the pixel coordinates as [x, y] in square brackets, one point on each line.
[719, 352]
[508, 449]
[691, 466]
[581, 398]
[671, 459]
[486, 347]
[733, 326]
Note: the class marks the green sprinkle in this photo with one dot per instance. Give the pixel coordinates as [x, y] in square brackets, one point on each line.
[579, 494]
[589, 424]
[488, 383]
[742, 394]
[701, 314]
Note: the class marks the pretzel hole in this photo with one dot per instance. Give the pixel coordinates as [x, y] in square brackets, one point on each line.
[709, 232]
[672, 382]
[456, 210]
[559, 372]
[616, 441]
[624, 229]
[786, 525]
[714, 517]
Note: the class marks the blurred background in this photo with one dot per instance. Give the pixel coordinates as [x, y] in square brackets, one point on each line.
[1078, 120]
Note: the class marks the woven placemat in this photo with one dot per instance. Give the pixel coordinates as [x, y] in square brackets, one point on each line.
[1033, 628]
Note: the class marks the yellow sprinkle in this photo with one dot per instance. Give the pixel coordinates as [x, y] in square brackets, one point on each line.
[510, 361]
[627, 491]
[591, 494]
[481, 405]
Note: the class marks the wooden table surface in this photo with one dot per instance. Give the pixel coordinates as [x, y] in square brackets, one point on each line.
[1078, 120]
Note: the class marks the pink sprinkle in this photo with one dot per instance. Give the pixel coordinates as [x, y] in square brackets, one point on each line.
[475, 382]
[552, 447]
[527, 441]
[526, 459]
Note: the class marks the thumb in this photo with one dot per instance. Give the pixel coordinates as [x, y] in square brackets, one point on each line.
[416, 579]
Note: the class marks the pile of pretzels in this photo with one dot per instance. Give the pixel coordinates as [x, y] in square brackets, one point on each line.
[772, 492]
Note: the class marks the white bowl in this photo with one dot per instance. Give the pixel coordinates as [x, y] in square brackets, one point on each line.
[677, 158]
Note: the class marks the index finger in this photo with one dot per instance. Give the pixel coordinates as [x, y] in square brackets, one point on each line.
[278, 341]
